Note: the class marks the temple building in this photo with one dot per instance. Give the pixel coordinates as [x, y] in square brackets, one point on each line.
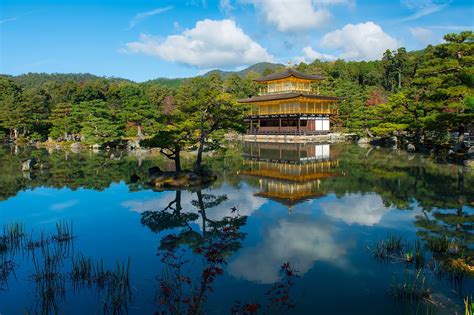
[289, 173]
[287, 105]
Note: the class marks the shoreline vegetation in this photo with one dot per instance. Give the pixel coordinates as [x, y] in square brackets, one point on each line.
[421, 101]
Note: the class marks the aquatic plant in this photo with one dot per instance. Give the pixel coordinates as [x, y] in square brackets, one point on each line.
[48, 266]
[419, 254]
[7, 266]
[438, 244]
[397, 249]
[81, 269]
[469, 303]
[390, 247]
[32, 243]
[12, 238]
[64, 232]
[116, 282]
[412, 288]
[119, 288]
[50, 282]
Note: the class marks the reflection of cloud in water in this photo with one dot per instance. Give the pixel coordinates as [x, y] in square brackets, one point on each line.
[64, 205]
[365, 209]
[297, 240]
[243, 199]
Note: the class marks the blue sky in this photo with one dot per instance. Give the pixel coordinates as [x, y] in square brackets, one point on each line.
[141, 40]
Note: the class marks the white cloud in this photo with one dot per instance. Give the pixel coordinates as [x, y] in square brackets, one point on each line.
[309, 55]
[292, 15]
[422, 35]
[143, 15]
[363, 41]
[422, 8]
[210, 44]
[8, 20]
[225, 6]
[360, 209]
[454, 27]
[297, 240]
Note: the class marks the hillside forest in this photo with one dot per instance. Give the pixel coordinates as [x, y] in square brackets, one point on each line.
[425, 97]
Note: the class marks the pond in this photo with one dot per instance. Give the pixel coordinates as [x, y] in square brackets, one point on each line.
[285, 229]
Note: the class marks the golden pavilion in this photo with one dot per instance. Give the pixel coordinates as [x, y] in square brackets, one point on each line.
[287, 105]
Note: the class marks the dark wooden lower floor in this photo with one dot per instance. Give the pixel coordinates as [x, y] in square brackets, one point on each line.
[289, 126]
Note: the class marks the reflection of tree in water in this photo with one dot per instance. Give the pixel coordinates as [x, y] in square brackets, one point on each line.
[212, 244]
[60, 169]
[449, 234]
[207, 243]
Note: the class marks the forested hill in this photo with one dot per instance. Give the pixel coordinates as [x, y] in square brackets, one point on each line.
[30, 80]
[424, 97]
[258, 68]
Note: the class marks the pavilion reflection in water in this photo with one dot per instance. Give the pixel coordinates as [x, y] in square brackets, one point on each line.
[289, 173]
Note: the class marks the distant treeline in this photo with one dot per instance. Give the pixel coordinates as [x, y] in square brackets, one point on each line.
[421, 96]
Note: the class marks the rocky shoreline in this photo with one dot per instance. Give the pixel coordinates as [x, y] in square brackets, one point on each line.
[458, 153]
[161, 179]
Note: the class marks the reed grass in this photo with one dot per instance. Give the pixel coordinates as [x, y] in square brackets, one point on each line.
[469, 304]
[438, 244]
[7, 266]
[32, 243]
[81, 269]
[49, 265]
[12, 238]
[413, 288]
[64, 232]
[48, 277]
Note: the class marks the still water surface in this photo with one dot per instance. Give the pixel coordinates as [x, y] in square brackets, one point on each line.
[319, 208]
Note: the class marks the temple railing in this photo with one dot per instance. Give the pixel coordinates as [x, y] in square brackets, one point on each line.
[293, 111]
[287, 132]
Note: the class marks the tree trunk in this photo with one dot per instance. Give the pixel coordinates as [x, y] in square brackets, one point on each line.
[198, 164]
[399, 78]
[177, 161]
[202, 210]
[139, 132]
[178, 201]
[202, 140]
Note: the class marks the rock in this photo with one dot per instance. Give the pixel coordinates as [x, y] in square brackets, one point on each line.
[181, 180]
[27, 165]
[134, 178]
[133, 144]
[76, 146]
[392, 141]
[470, 153]
[363, 141]
[469, 163]
[458, 147]
[411, 147]
[154, 172]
